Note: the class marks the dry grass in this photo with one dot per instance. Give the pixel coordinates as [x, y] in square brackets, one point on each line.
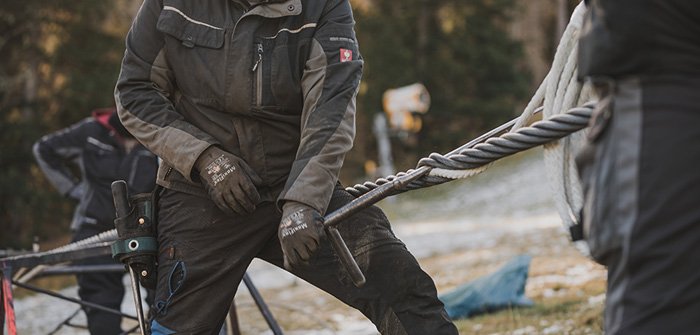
[566, 287]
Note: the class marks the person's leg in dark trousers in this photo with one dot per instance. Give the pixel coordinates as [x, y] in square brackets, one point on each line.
[203, 255]
[654, 284]
[105, 289]
[398, 297]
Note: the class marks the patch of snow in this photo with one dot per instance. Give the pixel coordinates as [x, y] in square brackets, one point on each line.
[596, 300]
[575, 276]
[525, 331]
[554, 329]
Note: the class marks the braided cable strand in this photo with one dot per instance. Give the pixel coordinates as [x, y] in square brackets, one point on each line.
[107, 236]
[367, 186]
[495, 148]
[470, 161]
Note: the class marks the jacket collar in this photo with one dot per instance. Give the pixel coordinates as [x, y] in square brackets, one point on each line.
[101, 115]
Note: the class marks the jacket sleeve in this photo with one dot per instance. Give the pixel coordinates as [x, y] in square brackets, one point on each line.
[330, 83]
[56, 152]
[144, 94]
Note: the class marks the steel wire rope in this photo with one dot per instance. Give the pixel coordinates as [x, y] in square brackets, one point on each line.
[93, 241]
[473, 157]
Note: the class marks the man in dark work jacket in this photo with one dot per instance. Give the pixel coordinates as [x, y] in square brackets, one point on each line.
[251, 106]
[103, 152]
[640, 168]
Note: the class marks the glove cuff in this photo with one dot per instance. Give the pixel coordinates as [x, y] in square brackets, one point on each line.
[207, 156]
[291, 206]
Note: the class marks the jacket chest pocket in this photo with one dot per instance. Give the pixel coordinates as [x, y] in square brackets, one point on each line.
[276, 76]
[191, 47]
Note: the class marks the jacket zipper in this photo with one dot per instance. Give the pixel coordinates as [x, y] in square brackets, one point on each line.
[257, 69]
[167, 173]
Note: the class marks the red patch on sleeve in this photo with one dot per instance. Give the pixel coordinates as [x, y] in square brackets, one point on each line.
[345, 55]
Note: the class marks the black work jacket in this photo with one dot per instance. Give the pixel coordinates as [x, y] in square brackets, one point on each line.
[274, 84]
[101, 159]
[640, 37]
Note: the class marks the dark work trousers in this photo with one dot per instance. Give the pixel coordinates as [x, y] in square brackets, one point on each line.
[642, 208]
[105, 288]
[203, 255]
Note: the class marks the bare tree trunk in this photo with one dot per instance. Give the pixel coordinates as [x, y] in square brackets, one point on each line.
[528, 27]
[30, 91]
[422, 40]
[562, 17]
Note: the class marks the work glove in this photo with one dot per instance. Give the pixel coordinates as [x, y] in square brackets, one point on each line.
[229, 181]
[300, 233]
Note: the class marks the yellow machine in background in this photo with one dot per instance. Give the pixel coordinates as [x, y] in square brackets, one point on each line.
[402, 119]
[404, 106]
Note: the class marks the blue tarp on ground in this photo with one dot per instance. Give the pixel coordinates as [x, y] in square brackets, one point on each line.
[501, 289]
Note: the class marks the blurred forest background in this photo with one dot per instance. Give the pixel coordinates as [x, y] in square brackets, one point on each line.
[480, 60]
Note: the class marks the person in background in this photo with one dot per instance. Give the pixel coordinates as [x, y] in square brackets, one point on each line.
[251, 107]
[102, 150]
[640, 166]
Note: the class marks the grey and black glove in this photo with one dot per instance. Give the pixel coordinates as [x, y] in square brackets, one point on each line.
[300, 233]
[229, 181]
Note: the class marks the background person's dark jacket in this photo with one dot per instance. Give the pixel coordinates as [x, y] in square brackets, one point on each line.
[92, 149]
